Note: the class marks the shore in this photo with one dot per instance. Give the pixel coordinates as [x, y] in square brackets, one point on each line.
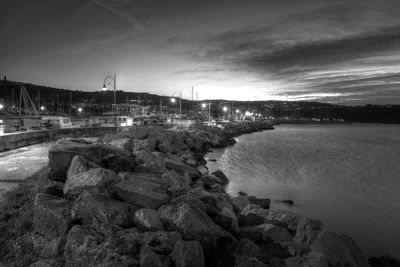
[145, 197]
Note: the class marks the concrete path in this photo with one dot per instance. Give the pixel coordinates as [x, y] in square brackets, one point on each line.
[16, 165]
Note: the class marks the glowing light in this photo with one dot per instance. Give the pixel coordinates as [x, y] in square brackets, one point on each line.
[225, 109]
[104, 87]
[42, 108]
[79, 109]
[173, 100]
[204, 105]
[237, 111]
[1, 106]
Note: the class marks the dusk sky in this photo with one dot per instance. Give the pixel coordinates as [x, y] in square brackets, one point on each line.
[342, 52]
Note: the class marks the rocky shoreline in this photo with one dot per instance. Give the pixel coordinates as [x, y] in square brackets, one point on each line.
[145, 197]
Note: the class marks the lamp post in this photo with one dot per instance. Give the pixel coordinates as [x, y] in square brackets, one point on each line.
[209, 110]
[173, 100]
[114, 80]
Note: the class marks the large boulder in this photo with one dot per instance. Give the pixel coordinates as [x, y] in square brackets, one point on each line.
[330, 249]
[149, 162]
[188, 254]
[252, 215]
[148, 220]
[227, 219]
[51, 216]
[95, 208]
[283, 218]
[266, 232]
[180, 185]
[148, 258]
[240, 202]
[193, 223]
[307, 230]
[95, 178]
[142, 190]
[102, 245]
[79, 164]
[181, 168]
[224, 180]
[62, 153]
[123, 143]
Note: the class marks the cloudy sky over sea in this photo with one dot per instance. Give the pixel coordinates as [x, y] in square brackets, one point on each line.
[337, 51]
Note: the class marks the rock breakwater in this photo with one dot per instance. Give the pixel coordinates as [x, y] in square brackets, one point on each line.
[144, 197]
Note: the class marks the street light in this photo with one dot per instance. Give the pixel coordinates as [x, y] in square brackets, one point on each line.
[1, 106]
[114, 80]
[79, 109]
[209, 110]
[173, 100]
[225, 109]
[42, 108]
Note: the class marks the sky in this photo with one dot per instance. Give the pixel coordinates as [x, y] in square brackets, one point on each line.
[335, 51]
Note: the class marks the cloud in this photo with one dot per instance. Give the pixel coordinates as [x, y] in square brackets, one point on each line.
[330, 53]
[117, 8]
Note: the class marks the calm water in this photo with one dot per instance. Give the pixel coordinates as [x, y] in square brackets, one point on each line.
[348, 176]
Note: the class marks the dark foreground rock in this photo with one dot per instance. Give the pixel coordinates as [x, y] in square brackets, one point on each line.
[144, 198]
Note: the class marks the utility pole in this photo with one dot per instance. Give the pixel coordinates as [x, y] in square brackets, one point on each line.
[5, 89]
[70, 103]
[39, 99]
[57, 102]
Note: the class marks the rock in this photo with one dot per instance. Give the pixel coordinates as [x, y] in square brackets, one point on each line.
[252, 215]
[227, 219]
[150, 162]
[307, 230]
[180, 185]
[79, 164]
[240, 202]
[102, 245]
[181, 168]
[53, 248]
[54, 188]
[123, 143]
[118, 160]
[203, 170]
[141, 190]
[262, 202]
[192, 223]
[209, 181]
[188, 254]
[61, 155]
[266, 232]
[148, 220]
[275, 233]
[95, 208]
[47, 248]
[245, 249]
[283, 218]
[51, 216]
[160, 241]
[330, 249]
[96, 178]
[221, 176]
[251, 262]
[148, 258]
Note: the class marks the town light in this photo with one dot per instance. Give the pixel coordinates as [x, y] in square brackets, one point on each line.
[248, 113]
[1, 106]
[204, 105]
[79, 109]
[173, 100]
[237, 111]
[225, 109]
[42, 108]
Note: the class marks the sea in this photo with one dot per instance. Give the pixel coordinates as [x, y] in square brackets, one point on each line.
[347, 176]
